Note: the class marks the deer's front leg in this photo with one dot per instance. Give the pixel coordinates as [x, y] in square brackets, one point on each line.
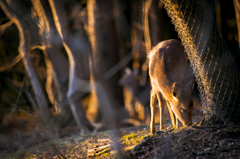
[177, 123]
[172, 115]
[153, 101]
[161, 104]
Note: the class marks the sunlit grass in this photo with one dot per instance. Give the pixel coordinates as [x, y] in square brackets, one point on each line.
[131, 139]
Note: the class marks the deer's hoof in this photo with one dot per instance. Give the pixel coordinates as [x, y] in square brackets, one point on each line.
[152, 131]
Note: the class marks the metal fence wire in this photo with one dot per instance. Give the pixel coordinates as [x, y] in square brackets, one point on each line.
[216, 73]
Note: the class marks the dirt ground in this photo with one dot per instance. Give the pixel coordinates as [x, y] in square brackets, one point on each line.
[193, 142]
[135, 142]
[207, 141]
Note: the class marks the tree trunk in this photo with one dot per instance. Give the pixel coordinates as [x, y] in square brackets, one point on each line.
[24, 50]
[146, 7]
[237, 13]
[122, 24]
[54, 53]
[214, 68]
[77, 50]
[137, 34]
[156, 23]
[103, 35]
[123, 27]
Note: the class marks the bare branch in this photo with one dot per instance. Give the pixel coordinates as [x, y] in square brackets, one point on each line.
[24, 50]
[31, 100]
[3, 27]
[11, 64]
[117, 67]
[16, 102]
[40, 47]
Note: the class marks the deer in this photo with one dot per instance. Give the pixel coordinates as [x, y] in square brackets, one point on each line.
[131, 81]
[167, 64]
[140, 94]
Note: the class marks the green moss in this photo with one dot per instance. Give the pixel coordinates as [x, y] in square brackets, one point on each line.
[131, 139]
[142, 136]
[31, 156]
[29, 152]
[73, 149]
[105, 154]
[86, 136]
[106, 132]
[129, 136]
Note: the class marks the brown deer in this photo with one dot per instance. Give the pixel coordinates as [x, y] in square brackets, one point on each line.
[167, 64]
[139, 99]
[131, 81]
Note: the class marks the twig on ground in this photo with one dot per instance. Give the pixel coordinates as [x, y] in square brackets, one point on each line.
[99, 150]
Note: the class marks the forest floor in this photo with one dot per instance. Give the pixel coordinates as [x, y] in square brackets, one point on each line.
[135, 142]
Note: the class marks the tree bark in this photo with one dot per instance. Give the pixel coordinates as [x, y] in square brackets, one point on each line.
[123, 28]
[56, 62]
[237, 12]
[75, 49]
[137, 34]
[122, 24]
[103, 35]
[156, 23]
[24, 49]
[210, 58]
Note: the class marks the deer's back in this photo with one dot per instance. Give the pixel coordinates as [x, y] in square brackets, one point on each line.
[167, 64]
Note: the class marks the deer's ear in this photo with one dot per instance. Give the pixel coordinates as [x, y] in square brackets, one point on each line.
[176, 91]
[189, 86]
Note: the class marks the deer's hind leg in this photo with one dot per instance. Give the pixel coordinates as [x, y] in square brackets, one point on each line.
[153, 102]
[162, 105]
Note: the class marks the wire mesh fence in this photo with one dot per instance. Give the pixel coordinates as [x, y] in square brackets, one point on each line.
[216, 73]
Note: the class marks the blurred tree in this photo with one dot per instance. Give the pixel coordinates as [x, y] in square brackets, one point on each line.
[237, 13]
[24, 50]
[57, 66]
[156, 22]
[137, 34]
[103, 37]
[78, 50]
